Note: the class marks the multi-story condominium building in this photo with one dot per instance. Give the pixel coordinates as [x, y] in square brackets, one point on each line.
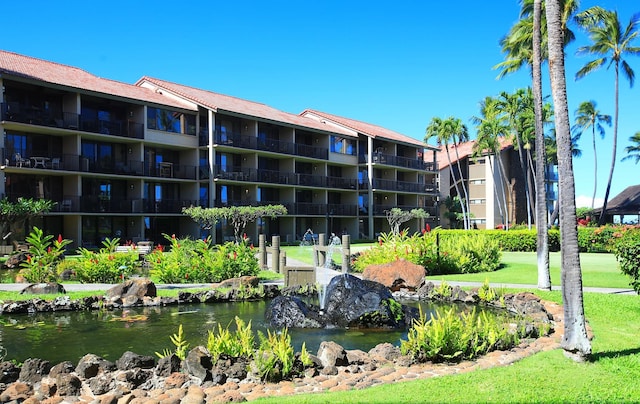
[122, 160]
[495, 197]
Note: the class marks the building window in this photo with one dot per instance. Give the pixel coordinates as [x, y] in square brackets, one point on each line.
[477, 182]
[171, 121]
[343, 145]
[478, 201]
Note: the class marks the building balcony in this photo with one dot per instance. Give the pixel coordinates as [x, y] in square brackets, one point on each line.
[271, 145]
[33, 115]
[402, 186]
[74, 162]
[380, 210]
[398, 161]
[230, 173]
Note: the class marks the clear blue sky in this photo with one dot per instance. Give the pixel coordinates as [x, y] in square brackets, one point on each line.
[394, 64]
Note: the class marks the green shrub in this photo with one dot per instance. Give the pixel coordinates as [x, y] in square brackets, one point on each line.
[105, 265]
[626, 248]
[459, 252]
[189, 261]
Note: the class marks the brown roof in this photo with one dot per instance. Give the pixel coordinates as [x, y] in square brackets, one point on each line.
[364, 127]
[221, 102]
[13, 64]
[465, 149]
[626, 202]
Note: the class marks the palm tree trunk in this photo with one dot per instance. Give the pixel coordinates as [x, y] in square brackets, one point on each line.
[455, 183]
[615, 148]
[525, 175]
[467, 218]
[595, 167]
[575, 341]
[542, 236]
[506, 186]
[495, 188]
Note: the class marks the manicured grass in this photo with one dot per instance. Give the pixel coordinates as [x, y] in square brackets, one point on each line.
[610, 376]
[598, 270]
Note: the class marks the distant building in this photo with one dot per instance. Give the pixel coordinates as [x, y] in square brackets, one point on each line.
[485, 185]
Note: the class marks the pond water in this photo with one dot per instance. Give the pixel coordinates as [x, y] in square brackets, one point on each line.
[60, 336]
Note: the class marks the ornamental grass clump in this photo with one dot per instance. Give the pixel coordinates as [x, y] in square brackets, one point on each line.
[451, 336]
[235, 344]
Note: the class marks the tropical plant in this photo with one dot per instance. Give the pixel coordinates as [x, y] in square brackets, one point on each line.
[450, 336]
[237, 344]
[588, 116]
[443, 135]
[626, 248]
[105, 265]
[180, 343]
[14, 215]
[633, 151]
[43, 256]
[490, 129]
[610, 43]
[275, 357]
[575, 341]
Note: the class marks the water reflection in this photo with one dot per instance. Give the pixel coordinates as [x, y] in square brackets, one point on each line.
[60, 336]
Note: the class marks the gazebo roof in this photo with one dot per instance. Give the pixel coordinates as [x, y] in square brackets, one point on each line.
[626, 202]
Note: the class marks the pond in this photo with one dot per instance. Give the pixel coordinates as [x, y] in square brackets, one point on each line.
[60, 336]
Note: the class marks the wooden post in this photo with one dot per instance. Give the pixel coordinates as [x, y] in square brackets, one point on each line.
[275, 254]
[346, 252]
[322, 249]
[262, 252]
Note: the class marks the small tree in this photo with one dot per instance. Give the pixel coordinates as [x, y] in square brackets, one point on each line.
[14, 215]
[397, 216]
[238, 216]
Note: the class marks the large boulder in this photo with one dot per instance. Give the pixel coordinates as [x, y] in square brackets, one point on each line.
[43, 289]
[350, 302]
[359, 303]
[396, 275]
[132, 289]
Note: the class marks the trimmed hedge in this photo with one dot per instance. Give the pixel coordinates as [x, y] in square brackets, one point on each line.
[513, 240]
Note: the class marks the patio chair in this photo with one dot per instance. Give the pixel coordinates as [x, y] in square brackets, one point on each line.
[21, 162]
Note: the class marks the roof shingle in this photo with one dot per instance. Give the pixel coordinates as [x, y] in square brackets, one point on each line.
[13, 64]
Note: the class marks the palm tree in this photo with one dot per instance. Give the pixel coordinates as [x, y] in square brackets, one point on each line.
[513, 106]
[588, 116]
[437, 129]
[633, 151]
[459, 134]
[490, 128]
[611, 43]
[575, 341]
[526, 44]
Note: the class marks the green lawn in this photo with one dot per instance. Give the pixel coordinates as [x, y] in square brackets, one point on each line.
[598, 270]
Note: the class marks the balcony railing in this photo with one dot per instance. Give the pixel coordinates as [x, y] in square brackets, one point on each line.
[380, 210]
[231, 173]
[402, 186]
[398, 161]
[272, 145]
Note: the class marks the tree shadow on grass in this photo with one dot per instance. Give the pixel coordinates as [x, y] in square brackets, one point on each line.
[613, 354]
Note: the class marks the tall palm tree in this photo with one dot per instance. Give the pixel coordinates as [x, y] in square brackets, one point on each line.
[575, 341]
[551, 151]
[459, 134]
[490, 128]
[588, 116]
[513, 106]
[526, 44]
[542, 236]
[633, 151]
[437, 129]
[611, 43]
